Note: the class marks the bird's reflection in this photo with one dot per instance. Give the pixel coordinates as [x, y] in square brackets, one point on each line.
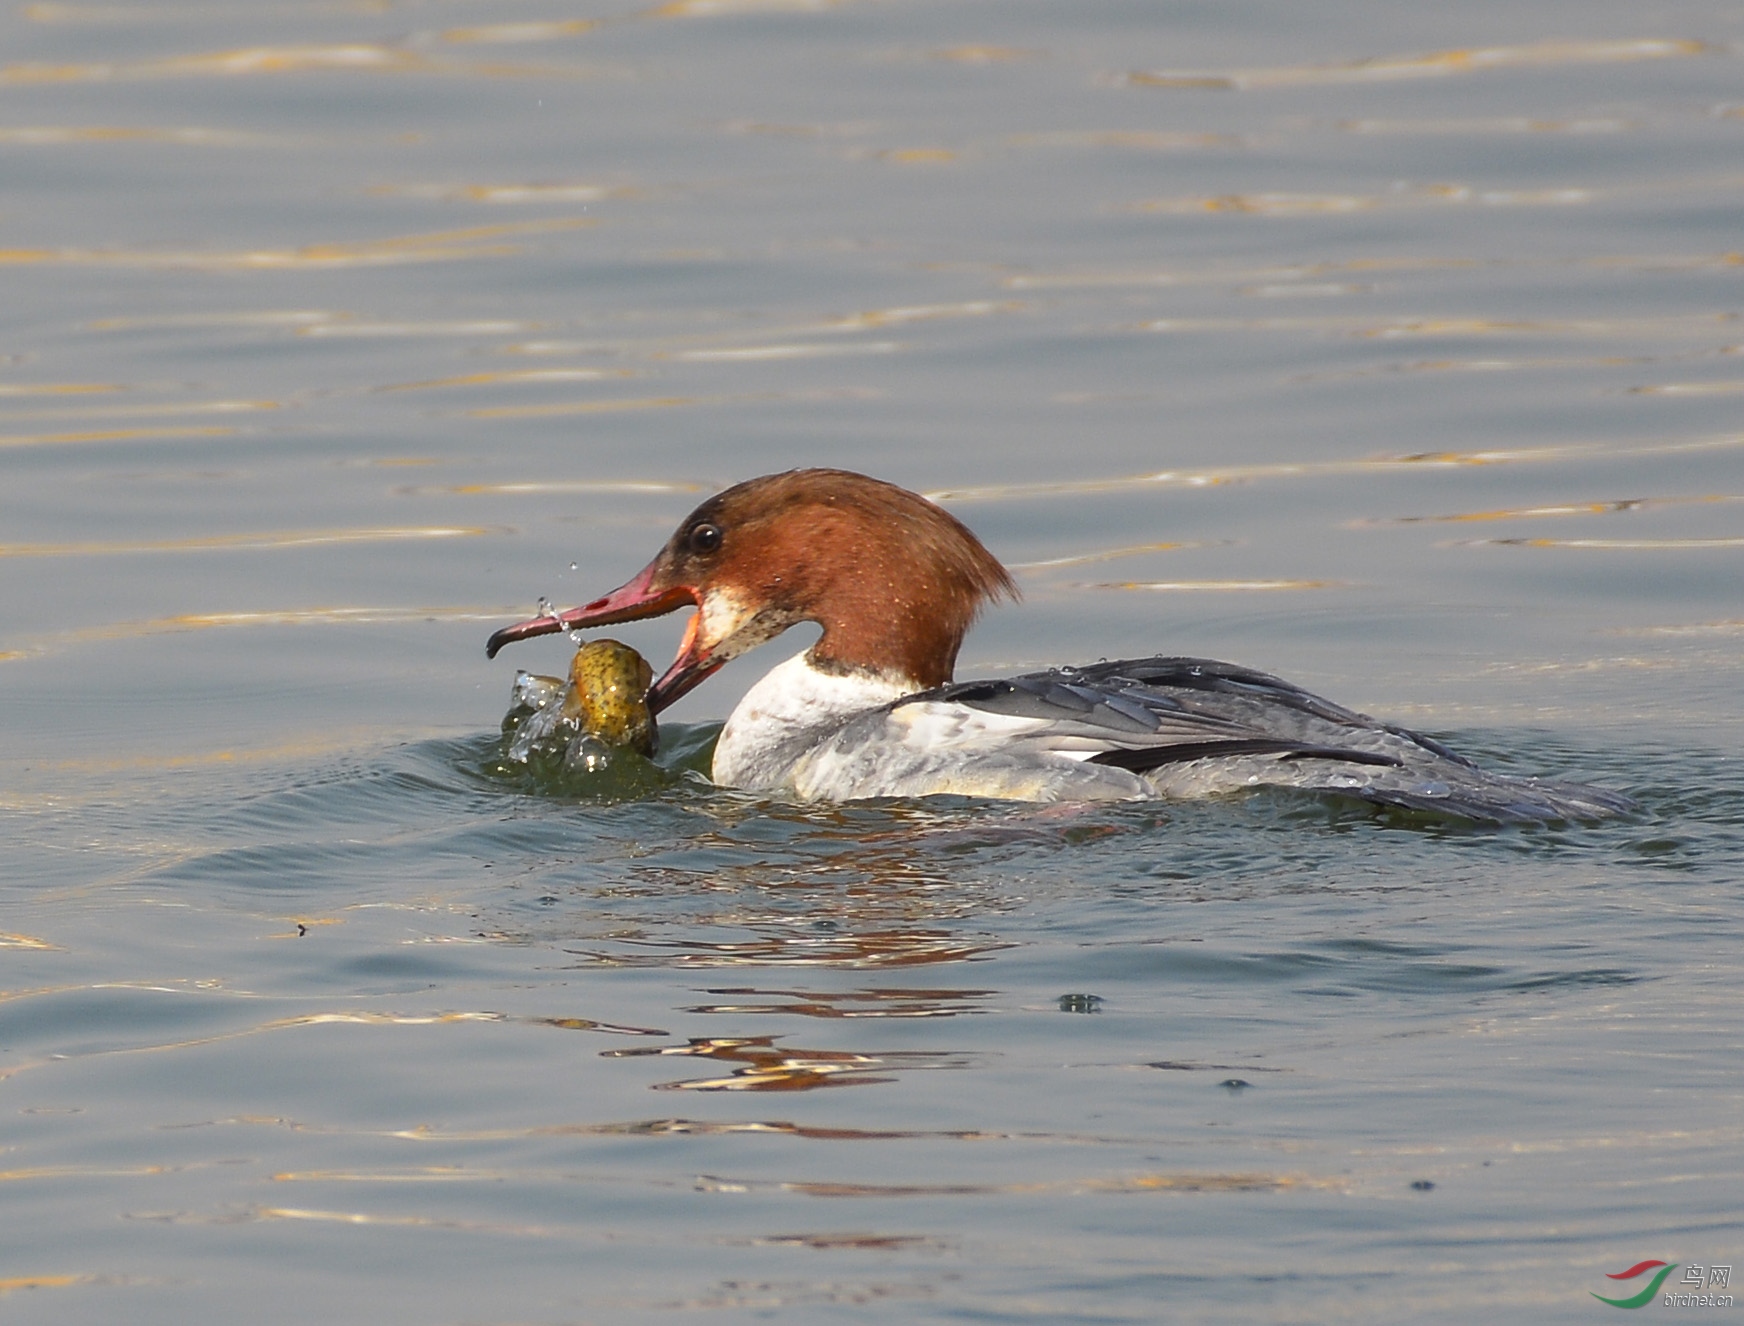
[765, 1065]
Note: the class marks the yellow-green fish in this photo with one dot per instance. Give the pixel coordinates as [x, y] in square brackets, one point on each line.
[608, 695]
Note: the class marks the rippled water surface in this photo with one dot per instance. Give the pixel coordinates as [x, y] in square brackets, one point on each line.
[1398, 350]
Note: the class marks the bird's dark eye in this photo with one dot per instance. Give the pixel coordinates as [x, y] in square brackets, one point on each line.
[704, 538]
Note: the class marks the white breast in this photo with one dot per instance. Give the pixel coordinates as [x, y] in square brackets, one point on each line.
[827, 737]
[789, 712]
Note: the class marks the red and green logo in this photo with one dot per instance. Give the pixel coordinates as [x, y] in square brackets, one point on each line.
[1645, 1297]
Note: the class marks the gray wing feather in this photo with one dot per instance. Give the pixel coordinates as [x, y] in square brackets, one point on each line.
[1191, 726]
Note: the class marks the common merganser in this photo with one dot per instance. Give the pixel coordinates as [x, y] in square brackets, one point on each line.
[871, 710]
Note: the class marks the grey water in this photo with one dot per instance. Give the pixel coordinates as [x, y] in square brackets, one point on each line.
[1396, 350]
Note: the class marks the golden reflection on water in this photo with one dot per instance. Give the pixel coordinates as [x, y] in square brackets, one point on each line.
[365, 1019]
[765, 1065]
[257, 318]
[57, 135]
[1230, 275]
[33, 1173]
[664, 1127]
[504, 193]
[1321, 204]
[318, 323]
[983, 54]
[1192, 1182]
[917, 156]
[134, 411]
[59, 388]
[346, 326]
[1616, 507]
[1107, 555]
[514, 378]
[697, 346]
[254, 542]
[493, 1227]
[10, 440]
[621, 404]
[897, 947]
[1306, 469]
[866, 1003]
[589, 1024]
[1505, 124]
[352, 56]
[308, 256]
[346, 1017]
[27, 941]
[1436, 64]
[496, 33]
[613, 405]
[724, 8]
[855, 1239]
[1520, 362]
[1142, 140]
[10, 1283]
[1401, 328]
[1220, 586]
[1237, 275]
[1734, 627]
[1185, 1181]
[836, 129]
[205, 621]
[886, 317]
[331, 745]
[255, 61]
[50, 12]
[1605, 545]
[1691, 389]
[438, 246]
[559, 486]
[763, 353]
